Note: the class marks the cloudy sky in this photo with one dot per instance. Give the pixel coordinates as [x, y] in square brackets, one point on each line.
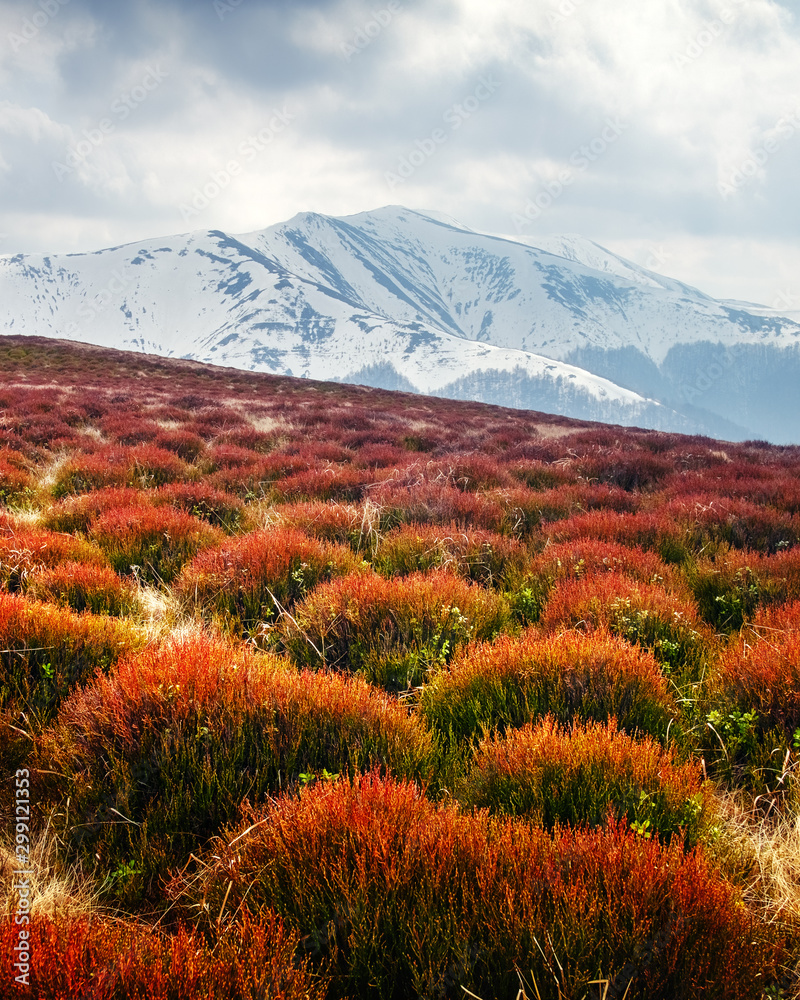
[667, 130]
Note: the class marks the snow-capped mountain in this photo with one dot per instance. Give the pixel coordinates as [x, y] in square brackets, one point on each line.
[417, 301]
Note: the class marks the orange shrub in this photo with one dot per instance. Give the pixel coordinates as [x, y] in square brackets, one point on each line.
[23, 551]
[396, 632]
[76, 513]
[345, 523]
[587, 774]
[15, 481]
[46, 651]
[344, 483]
[157, 541]
[84, 587]
[241, 581]
[406, 899]
[221, 509]
[652, 531]
[73, 957]
[643, 613]
[426, 502]
[761, 671]
[572, 676]
[178, 735]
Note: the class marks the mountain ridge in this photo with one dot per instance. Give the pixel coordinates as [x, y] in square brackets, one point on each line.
[401, 296]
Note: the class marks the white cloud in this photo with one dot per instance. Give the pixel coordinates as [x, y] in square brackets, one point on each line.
[701, 85]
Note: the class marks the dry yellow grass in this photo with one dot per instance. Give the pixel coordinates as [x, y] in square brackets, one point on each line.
[54, 888]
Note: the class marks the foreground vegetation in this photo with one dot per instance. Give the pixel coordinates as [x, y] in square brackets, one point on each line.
[337, 693]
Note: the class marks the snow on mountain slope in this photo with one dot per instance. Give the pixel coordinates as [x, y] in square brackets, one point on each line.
[415, 267]
[212, 298]
[392, 297]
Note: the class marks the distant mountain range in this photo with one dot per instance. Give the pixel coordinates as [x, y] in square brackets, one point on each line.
[408, 300]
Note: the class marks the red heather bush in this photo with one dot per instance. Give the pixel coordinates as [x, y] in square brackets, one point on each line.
[150, 467]
[405, 899]
[395, 632]
[643, 613]
[590, 557]
[83, 587]
[348, 524]
[224, 510]
[76, 513]
[250, 439]
[155, 540]
[177, 736]
[482, 556]
[334, 483]
[476, 473]
[240, 582]
[144, 466]
[24, 551]
[783, 618]
[537, 475]
[739, 523]
[436, 503]
[184, 443]
[82, 473]
[16, 484]
[128, 427]
[587, 775]
[107, 960]
[585, 559]
[625, 468]
[378, 456]
[572, 676]
[653, 531]
[761, 671]
[46, 651]
[253, 477]
[231, 456]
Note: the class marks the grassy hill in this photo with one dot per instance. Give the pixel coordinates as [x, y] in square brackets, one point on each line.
[316, 690]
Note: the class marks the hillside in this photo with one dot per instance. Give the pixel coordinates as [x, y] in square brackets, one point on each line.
[314, 690]
[408, 300]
